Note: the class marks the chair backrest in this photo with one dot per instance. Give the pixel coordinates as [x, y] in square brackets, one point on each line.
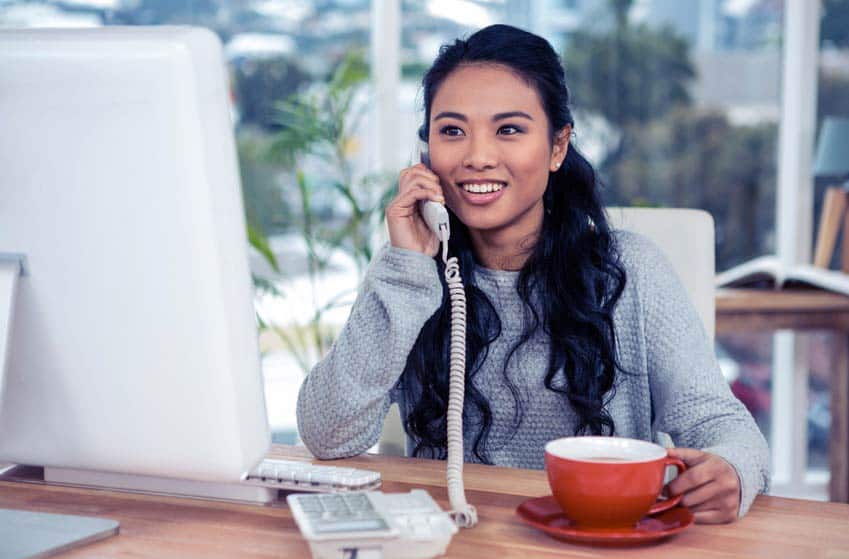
[686, 237]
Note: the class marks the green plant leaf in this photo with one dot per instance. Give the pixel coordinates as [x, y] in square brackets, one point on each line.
[259, 241]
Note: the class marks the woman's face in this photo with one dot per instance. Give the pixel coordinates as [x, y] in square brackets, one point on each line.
[490, 146]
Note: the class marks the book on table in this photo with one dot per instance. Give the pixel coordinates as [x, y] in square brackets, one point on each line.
[769, 271]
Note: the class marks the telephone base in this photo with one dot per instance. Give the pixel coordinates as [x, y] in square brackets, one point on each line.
[372, 525]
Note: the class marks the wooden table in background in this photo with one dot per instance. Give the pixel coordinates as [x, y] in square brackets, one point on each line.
[160, 527]
[747, 310]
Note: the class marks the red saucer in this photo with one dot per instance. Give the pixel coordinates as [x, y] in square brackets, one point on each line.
[545, 514]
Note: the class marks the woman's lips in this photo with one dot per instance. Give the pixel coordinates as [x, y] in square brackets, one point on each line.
[481, 198]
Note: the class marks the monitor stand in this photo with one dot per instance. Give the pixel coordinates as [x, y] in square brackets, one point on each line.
[12, 266]
[150, 485]
[162, 486]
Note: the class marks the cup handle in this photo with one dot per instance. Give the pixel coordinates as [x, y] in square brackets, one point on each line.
[667, 504]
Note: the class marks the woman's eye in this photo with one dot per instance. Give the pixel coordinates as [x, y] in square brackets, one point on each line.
[451, 131]
[509, 129]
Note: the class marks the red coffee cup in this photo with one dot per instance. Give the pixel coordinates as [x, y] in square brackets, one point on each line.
[608, 482]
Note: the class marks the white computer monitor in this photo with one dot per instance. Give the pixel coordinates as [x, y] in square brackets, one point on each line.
[132, 345]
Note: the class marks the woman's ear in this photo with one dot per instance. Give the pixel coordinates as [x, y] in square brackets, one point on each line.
[560, 148]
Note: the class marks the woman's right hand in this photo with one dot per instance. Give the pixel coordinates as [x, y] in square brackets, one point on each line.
[407, 228]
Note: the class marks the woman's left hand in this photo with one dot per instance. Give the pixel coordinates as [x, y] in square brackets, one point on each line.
[710, 486]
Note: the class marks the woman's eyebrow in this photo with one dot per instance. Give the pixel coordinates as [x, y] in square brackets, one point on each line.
[511, 114]
[499, 116]
[449, 114]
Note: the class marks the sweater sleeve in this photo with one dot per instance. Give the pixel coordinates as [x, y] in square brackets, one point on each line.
[691, 400]
[344, 399]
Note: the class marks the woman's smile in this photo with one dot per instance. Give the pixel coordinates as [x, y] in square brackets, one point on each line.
[482, 192]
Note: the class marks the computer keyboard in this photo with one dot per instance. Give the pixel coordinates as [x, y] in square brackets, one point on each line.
[306, 476]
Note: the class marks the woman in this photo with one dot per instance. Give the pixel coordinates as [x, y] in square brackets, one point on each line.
[571, 329]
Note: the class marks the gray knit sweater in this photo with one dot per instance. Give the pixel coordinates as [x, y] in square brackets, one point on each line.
[674, 384]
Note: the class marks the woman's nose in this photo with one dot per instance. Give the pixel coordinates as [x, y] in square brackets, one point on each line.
[480, 154]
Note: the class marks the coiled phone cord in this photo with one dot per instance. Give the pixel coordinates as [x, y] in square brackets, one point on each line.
[463, 514]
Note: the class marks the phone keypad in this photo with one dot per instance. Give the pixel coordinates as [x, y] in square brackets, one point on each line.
[350, 512]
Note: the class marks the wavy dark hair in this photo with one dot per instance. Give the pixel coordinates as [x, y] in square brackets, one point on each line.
[573, 269]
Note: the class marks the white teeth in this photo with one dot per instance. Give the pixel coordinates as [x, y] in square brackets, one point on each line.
[482, 188]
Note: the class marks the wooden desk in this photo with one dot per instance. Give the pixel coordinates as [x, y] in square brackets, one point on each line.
[739, 310]
[160, 527]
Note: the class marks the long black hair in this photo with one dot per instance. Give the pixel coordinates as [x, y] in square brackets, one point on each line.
[569, 284]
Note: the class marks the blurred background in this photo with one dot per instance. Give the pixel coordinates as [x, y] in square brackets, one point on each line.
[677, 103]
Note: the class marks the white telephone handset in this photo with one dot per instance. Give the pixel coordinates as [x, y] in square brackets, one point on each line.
[434, 213]
[436, 217]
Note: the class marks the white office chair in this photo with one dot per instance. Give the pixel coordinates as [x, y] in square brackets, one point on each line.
[686, 238]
